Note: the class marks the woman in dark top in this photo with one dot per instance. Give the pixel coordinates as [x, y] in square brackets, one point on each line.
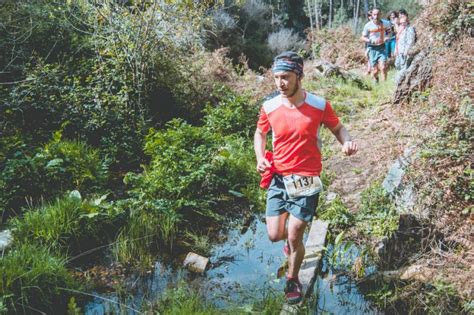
[390, 44]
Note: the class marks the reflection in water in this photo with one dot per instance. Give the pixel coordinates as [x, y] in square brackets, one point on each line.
[243, 270]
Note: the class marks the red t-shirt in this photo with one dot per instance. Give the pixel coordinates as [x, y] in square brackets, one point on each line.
[296, 147]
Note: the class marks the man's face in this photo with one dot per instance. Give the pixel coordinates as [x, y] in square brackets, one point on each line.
[375, 15]
[287, 82]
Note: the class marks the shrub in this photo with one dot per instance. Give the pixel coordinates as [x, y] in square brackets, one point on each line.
[32, 279]
[20, 179]
[338, 46]
[88, 98]
[34, 107]
[377, 214]
[45, 173]
[233, 115]
[191, 170]
[187, 159]
[336, 213]
[284, 39]
[74, 165]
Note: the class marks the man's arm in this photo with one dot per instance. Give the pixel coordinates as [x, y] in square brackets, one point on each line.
[365, 39]
[349, 147]
[365, 35]
[259, 142]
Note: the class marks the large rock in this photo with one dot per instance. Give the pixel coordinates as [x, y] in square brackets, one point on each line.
[416, 78]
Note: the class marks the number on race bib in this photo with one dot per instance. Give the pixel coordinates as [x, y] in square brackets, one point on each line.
[298, 186]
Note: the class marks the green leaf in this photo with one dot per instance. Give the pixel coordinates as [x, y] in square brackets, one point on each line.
[75, 194]
[236, 193]
[90, 215]
[54, 163]
[99, 200]
[339, 238]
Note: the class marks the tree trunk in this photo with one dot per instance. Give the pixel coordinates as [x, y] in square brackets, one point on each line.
[330, 13]
[316, 15]
[366, 7]
[356, 15]
[310, 14]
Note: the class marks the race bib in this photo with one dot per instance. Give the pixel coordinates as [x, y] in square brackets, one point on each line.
[298, 186]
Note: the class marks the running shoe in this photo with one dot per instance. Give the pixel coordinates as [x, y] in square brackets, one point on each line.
[293, 291]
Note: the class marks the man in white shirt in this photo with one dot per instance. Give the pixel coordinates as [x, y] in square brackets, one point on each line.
[374, 34]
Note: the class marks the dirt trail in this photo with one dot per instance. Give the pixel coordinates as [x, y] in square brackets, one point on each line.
[381, 139]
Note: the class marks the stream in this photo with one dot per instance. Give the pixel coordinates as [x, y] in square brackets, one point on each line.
[243, 270]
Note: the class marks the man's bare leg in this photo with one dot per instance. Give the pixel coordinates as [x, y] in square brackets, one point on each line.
[375, 72]
[276, 227]
[296, 229]
[383, 69]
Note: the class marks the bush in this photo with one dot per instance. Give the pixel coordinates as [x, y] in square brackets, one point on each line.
[180, 182]
[74, 165]
[377, 214]
[284, 39]
[233, 115]
[89, 99]
[33, 279]
[45, 173]
[191, 170]
[100, 80]
[34, 107]
[187, 159]
[336, 213]
[338, 46]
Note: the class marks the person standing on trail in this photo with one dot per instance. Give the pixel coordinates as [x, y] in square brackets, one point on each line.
[406, 38]
[374, 34]
[291, 172]
[369, 18]
[390, 43]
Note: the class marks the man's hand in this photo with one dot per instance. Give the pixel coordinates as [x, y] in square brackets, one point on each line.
[349, 148]
[262, 165]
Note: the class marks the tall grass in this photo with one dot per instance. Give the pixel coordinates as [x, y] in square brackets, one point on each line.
[67, 226]
[31, 281]
[184, 300]
[151, 225]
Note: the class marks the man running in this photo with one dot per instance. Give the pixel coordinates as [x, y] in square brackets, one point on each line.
[294, 117]
[374, 34]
